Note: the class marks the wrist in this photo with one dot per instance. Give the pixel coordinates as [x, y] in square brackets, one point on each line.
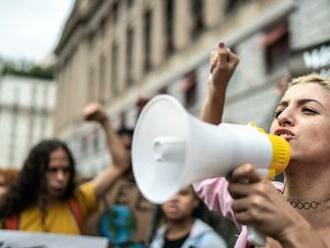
[216, 97]
[104, 121]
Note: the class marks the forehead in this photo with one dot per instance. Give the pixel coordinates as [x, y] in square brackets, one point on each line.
[58, 156]
[308, 90]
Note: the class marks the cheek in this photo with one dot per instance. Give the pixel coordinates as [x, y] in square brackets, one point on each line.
[188, 207]
[49, 180]
[272, 127]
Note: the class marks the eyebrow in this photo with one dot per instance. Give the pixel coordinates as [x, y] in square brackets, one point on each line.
[300, 102]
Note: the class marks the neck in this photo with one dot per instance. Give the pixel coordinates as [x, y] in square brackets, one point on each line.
[307, 182]
[310, 182]
[178, 229]
[47, 201]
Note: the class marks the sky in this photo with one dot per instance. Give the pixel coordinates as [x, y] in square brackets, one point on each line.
[30, 29]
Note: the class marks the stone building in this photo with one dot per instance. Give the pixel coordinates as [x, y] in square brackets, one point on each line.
[26, 116]
[115, 51]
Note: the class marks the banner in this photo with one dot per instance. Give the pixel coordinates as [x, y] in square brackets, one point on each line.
[17, 239]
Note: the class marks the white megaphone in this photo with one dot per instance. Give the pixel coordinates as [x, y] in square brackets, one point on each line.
[172, 149]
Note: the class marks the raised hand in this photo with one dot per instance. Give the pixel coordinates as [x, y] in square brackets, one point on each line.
[95, 112]
[223, 64]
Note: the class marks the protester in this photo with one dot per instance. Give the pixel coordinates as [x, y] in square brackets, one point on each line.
[7, 177]
[293, 214]
[45, 197]
[181, 228]
[125, 219]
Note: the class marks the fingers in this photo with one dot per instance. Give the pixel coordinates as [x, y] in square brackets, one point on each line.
[239, 190]
[223, 58]
[233, 59]
[213, 60]
[246, 181]
[222, 55]
[93, 111]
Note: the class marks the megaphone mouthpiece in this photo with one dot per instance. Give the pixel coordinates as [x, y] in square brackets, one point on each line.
[168, 148]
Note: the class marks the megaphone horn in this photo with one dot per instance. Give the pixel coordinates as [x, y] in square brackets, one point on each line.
[172, 149]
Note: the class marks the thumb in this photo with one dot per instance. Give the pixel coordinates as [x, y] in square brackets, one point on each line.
[245, 172]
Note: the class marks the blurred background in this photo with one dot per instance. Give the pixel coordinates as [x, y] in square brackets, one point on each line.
[56, 56]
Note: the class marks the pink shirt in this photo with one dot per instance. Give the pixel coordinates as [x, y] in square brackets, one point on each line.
[214, 192]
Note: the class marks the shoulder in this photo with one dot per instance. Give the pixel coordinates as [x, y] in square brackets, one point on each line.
[85, 194]
[158, 239]
[205, 236]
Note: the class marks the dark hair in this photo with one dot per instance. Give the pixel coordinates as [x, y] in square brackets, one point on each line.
[125, 131]
[31, 184]
[159, 218]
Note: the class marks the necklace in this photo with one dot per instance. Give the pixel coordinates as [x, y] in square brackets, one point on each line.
[307, 204]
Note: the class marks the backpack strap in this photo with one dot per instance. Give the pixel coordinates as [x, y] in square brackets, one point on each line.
[11, 222]
[76, 211]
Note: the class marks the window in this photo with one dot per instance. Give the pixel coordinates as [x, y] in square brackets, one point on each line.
[102, 27]
[114, 68]
[122, 118]
[163, 90]
[189, 89]
[130, 3]
[91, 88]
[114, 12]
[129, 54]
[230, 5]
[169, 26]
[96, 143]
[197, 16]
[102, 80]
[84, 145]
[147, 40]
[276, 43]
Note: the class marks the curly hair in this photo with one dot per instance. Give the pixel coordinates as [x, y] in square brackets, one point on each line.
[30, 186]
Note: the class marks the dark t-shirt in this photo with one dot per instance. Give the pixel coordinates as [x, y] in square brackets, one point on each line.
[175, 243]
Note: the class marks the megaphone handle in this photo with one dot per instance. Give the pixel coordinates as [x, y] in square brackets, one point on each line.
[255, 238]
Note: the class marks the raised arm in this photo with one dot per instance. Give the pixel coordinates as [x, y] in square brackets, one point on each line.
[223, 63]
[120, 158]
[214, 192]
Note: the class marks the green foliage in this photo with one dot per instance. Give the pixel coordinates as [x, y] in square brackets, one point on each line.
[28, 70]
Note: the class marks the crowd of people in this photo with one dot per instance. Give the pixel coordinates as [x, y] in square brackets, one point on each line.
[44, 195]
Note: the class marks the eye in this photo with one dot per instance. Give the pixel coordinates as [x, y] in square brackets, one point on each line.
[309, 111]
[277, 113]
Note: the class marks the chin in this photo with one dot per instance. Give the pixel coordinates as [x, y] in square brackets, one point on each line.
[58, 194]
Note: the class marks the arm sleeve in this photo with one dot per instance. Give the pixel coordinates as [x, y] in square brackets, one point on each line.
[212, 240]
[214, 193]
[87, 198]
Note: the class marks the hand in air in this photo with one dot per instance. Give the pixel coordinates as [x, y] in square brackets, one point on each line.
[223, 64]
[95, 112]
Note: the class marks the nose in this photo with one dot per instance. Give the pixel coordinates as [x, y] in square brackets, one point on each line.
[60, 175]
[174, 198]
[286, 118]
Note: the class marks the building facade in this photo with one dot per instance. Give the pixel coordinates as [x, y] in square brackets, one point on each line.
[115, 51]
[26, 116]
